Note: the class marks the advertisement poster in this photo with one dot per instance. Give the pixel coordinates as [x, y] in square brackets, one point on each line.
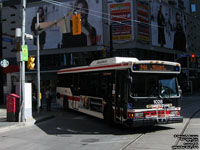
[168, 26]
[56, 36]
[143, 18]
[121, 19]
[180, 4]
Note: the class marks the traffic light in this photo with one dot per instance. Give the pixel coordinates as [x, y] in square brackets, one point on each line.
[76, 24]
[31, 64]
[193, 57]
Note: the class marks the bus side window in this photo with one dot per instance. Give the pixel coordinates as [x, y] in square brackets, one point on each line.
[105, 85]
[76, 84]
[84, 85]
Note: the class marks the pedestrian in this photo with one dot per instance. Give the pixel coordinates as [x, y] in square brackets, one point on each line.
[48, 99]
[41, 100]
[34, 101]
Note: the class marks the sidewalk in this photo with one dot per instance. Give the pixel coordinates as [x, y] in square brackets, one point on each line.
[37, 118]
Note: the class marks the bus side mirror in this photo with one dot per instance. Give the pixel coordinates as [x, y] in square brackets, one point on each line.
[130, 79]
[180, 91]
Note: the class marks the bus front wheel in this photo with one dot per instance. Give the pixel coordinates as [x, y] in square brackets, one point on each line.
[109, 116]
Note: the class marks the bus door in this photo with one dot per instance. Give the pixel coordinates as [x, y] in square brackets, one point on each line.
[121, 95]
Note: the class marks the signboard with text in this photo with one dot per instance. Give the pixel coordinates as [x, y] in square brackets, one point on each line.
[143, 18]
[121, 19]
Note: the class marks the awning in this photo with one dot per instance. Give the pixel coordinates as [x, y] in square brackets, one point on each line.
[11, 68]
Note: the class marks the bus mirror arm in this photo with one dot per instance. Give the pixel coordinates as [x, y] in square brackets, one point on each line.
[130, 79]
[179, 89]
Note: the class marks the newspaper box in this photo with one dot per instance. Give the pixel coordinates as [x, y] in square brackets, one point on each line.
[12, 107]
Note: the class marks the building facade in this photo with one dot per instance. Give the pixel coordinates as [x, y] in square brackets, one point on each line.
[146, 29]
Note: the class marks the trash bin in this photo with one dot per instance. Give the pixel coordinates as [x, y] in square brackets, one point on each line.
[12, 107]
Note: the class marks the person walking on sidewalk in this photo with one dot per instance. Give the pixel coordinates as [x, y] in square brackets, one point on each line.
[48, 98]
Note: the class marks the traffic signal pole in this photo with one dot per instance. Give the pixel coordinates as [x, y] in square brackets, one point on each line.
[38, 66]
[22, 64]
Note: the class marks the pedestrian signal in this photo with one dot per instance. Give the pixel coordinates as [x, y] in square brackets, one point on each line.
[76, 24]
[31, 63]
[193, 58]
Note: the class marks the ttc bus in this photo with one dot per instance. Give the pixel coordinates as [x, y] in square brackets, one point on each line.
[123, 90]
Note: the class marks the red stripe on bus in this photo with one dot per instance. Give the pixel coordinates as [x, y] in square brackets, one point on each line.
[73, 98]
[90, 68]
[154, 113]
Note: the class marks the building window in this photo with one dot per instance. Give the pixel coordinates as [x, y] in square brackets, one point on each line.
[193, 7]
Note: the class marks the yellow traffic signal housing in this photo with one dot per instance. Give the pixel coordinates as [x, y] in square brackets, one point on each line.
[76, 24]
[193, 58]
[31, 64]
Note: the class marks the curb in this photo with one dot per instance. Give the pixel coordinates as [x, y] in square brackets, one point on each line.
[11, 126]
[44, 119]
[7, 126]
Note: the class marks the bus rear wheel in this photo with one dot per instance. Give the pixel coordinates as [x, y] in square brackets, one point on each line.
[109, 116]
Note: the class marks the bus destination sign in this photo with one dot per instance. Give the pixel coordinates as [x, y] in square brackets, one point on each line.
[155, 67]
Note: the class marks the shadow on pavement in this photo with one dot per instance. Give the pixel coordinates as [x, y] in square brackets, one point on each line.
[70, 123]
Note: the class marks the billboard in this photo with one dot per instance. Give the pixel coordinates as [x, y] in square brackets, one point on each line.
[121, 18]
[143, 18]
[180, 4]
[168, 27]
[56, 36]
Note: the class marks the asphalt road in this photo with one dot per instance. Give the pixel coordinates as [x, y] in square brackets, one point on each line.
[76, 131]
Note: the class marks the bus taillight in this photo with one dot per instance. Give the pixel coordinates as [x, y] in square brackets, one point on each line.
[136, 115]
[130, 115]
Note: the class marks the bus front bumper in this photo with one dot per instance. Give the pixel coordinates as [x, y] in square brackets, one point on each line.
[153, 121]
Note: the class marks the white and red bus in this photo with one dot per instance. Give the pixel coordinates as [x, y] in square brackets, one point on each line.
[123, 90]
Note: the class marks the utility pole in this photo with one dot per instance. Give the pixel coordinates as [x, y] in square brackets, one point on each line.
[38, 66]
[111, 40]
[22, 63]
[1, 51]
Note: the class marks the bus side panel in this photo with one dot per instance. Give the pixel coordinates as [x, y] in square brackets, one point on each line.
[63, 92]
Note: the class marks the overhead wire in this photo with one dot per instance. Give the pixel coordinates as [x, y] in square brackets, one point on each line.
[119, 22]
[70, 6]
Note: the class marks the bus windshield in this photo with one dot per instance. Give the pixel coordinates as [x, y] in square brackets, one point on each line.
[154, 86]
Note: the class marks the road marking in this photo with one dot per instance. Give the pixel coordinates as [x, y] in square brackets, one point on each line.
[195, 124]
[80, 118]
[111, 142]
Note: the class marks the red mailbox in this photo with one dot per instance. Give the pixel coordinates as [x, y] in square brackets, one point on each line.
[13, 105]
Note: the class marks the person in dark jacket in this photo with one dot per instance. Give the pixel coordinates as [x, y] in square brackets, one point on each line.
[179, 36]
[42, 36]
[161, 29]
[48, 96]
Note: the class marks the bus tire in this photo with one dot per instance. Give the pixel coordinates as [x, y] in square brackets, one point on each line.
[109, 116]
[65, 104]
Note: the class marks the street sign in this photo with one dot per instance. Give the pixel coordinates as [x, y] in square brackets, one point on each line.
[5, 39]
[4, 63]
[24, 53]
[183, 55]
